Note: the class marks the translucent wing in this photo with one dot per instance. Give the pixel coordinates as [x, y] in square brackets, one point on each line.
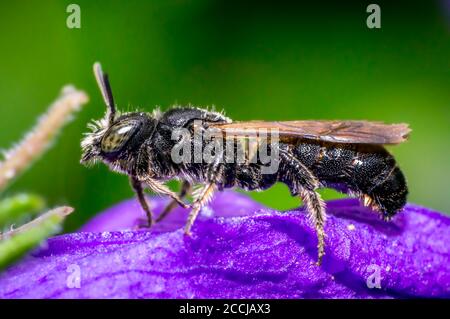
[354, 132]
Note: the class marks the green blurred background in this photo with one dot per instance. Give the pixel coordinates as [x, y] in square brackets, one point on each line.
[255, 59]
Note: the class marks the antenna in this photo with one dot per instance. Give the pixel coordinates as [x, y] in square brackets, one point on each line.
[105, 89]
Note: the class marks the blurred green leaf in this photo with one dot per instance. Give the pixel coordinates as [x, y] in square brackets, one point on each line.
[16, 243]
[14, 209]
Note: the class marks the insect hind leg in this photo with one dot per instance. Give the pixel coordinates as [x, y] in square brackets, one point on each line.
[301, 181]
[315, 207]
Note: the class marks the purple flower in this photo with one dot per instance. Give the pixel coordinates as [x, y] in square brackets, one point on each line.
[241, 250]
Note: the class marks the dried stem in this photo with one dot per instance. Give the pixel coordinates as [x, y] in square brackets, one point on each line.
[40, 137]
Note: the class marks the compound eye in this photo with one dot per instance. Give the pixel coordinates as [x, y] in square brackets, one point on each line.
[117, 136]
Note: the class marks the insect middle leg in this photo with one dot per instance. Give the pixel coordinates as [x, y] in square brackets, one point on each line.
[185, 190]
[160, 188]
[201, 199]
[214, 173]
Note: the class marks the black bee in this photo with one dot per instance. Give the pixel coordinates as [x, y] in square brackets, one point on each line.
[345, 155]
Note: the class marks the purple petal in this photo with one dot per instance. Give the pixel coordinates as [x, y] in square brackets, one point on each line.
[267, 254]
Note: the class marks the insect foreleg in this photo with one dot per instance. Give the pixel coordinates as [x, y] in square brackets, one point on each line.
[200, 200]
[137, 187]
[185, 190]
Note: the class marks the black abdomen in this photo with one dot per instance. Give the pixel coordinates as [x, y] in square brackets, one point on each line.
[369, 171]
